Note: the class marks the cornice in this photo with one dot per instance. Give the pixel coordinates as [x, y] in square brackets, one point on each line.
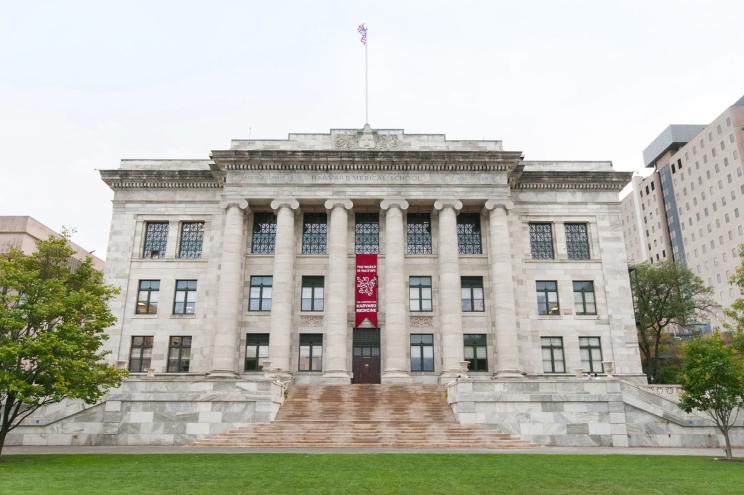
[585, 181]
[398, 161]
[162, 179]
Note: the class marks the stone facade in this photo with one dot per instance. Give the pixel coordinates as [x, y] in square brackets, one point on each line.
[485, 323]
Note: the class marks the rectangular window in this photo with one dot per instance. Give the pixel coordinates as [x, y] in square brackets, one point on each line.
[148, 295]
[476, 353]
[311, 351]
[419, 233]
[314, 233]
[577, 241]
[184, 302]
[192, 238]
[547, 297]
[179, 354]
[260, 296]
[419, 293]
[367, 233]
[264, 233]
[584, 303]
[469, 233]
[591, 354]
[312, 293]
[422, 352]
[552, 355]
[156, 239]
[541, 241]
[256, 351]
[471, 290]
[140, 354]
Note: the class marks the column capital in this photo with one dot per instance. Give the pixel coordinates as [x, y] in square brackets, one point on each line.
[235, 202]
[506, 204]
[441, 204]
[290, 203]
[334, 202]
[388, 203]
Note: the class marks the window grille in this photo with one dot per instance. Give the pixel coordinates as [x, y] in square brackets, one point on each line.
[541, 241]
[264, 233]
[577, 241]
[367, 233]
[419, 233]
[314, 233]
[469, 233]
[156, 240]
[192, 238]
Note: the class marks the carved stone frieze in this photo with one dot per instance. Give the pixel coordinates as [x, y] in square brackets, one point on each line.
[422, 322]
[311, 321]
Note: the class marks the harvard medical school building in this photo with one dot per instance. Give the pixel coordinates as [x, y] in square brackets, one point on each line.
[690, 209]
[371, 256]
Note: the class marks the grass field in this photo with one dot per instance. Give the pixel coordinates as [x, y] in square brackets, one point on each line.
[184, 474]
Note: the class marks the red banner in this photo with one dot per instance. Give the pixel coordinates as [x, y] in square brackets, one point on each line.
[366, 289]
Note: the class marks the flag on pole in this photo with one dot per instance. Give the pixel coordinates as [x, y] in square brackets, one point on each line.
[362, 29]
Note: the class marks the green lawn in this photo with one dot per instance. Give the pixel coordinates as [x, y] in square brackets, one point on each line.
[184, 474]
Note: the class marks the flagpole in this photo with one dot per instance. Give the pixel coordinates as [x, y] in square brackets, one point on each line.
[366, 88]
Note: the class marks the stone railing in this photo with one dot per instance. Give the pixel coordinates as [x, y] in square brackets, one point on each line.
[671, 392]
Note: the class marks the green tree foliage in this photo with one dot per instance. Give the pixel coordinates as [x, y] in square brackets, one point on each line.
[53, 316]
[666, 294]
[713, 382]
[736, 312]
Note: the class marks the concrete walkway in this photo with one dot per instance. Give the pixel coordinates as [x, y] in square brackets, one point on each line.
[198, 450]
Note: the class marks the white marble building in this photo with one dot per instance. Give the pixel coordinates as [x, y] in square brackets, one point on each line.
[504, 280]
[279, 221]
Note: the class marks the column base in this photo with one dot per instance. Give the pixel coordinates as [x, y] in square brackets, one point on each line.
[222, 375]
[336, 378]
[278, 374]
[451, 374]
[396, 376]
[509, 374]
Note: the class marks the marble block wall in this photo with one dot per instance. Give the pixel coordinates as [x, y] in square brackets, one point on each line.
[576, 412]
[157, 411]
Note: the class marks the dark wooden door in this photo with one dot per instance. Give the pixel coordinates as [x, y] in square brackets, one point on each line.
[365, 361]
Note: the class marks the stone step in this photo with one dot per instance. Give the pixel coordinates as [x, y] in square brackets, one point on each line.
[365, 416]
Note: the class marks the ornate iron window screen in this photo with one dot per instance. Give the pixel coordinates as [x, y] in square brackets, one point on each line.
[469, 233]
[367, 233]
[577, 241]
[264, 233]
[156, 240]
[192, 239]
[314, 233]
[419, 233]
[541, 241]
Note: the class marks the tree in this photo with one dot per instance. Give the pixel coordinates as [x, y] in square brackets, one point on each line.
[736, 312]
[667, 294]
[713, 382]
[53, 316]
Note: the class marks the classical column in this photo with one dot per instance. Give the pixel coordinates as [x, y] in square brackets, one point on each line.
[502, 288]
[449, 290]
[230, 289]
[337, 323]
[282, 286]
[396, 366]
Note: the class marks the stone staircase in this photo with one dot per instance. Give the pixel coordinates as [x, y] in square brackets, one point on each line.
[365, 416]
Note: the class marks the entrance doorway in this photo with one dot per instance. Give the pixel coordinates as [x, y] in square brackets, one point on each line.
[365, 361]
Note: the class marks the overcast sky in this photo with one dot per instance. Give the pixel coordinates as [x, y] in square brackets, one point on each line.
[84, 84]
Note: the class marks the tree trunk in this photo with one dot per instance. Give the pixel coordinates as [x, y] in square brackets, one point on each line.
[729, 453]
[3, 434]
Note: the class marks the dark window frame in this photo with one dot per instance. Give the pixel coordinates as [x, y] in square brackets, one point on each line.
[583, 291]
[552, 347]
[263, 239]
[546, 291]
[182, 347]
[541, 241]
[257, 282]
[259, 342]
[316, 284]
[418, 234]
[137, 352]
[469, 239]
[314, 233]
[148, 303]
[577, 241]
[156, 239]
[418, 284]
[476, 341]
[313, 342]
[587, 344]
[188, 289]
[366, 233]
[191, 242]
[418, 343]
[469, 286]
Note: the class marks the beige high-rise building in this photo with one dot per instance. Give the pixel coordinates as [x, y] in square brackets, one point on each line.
[23, 232]
[690, 209]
